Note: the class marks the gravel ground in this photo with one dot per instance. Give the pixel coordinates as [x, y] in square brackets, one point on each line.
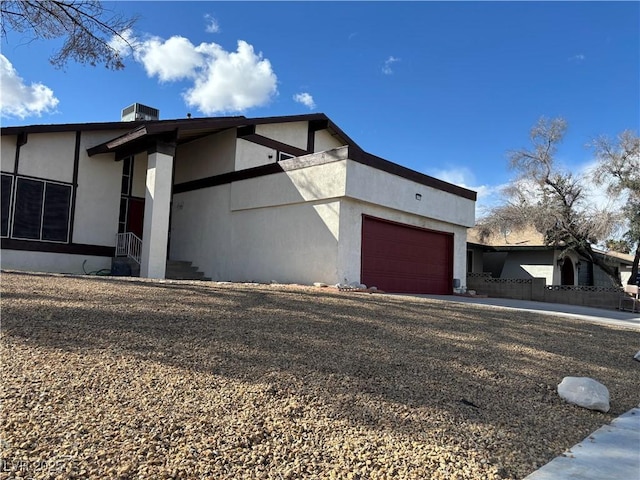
[122, 378]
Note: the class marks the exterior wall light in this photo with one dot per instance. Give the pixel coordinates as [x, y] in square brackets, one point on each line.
[418, 196]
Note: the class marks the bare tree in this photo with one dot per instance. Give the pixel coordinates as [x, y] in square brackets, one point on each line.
[552, 200]
[87, 26]
[619, 169]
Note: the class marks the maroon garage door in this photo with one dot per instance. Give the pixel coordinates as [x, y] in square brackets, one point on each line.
[402, 258]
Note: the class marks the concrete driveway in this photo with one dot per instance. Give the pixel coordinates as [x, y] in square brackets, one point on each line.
[590, 314]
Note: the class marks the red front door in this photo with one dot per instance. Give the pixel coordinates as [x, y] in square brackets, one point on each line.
[135, 222]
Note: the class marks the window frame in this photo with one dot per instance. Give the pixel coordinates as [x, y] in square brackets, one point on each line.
[13, 204]
[10, 206]
[284, 156]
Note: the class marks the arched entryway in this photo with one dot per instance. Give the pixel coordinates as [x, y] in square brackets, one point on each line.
[567, 275]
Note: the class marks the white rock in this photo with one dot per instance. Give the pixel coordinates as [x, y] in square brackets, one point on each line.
[584, 392]
[637, 356]
[373, 289]
[320, 284]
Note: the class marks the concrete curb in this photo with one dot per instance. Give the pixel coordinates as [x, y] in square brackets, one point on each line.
[611, 452]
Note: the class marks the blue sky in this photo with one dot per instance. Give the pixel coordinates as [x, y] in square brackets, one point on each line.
[445, 88]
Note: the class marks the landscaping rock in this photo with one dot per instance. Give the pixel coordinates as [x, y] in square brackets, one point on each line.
[584, 392]
[637, 356]
[133, 378]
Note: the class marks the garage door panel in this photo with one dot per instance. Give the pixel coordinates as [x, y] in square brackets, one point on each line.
[402, 258]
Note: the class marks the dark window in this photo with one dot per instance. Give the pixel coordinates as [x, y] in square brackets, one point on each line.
[41, 210]
[284, 156]
[122, 221]
[28, 211]
[55, 220]
[7, 184]
[127, 170]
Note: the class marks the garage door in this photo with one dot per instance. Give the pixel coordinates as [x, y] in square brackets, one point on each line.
[402, 258]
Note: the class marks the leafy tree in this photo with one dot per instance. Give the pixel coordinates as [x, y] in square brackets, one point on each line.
[619, 245]
[619, 168]
[87, 27]
[552, 200]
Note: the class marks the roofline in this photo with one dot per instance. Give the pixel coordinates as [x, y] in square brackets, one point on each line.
[539, 248]
[155, 125]
[138, 129]
[70, 127]
[358, 155]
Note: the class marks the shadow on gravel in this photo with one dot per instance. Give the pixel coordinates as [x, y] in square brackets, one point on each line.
[477, 366]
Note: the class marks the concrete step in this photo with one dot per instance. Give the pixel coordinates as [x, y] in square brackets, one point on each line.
[176, 269]
[182, 270]
[124, 266]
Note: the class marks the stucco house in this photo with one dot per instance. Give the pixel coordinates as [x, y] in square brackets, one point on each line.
[523, 254]
[287, 199]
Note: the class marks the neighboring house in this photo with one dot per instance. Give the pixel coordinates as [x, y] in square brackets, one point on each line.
[523, 255]
[286, 199]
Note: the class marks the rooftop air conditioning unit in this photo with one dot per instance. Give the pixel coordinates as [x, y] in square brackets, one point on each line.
[137, 111]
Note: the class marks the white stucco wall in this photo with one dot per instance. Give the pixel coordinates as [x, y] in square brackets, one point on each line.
[323, 140]
[477, 264]
[201, 230]
[280, 227]
[249, 155]
[351, 211]
[157, 204]
[530, 264]
[291, 133]
[48, 155]
[375, 186]
[8, 153]
[98, 194]
[51, 156]
[302, 225]
[206, 157]
[52, 262]
[289, 244]
[306, 184]
[305, 224]
[138, 183]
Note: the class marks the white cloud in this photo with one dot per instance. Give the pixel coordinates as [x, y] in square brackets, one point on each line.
[488, 195]
[305, 99]
[579, 58]
[231, 81]
[222, 81]
[124, 43]
[212, 24]
[386, 69]
[20, 100]
[173, 59]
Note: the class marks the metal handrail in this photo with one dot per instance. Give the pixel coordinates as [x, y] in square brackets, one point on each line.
[129, 245]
